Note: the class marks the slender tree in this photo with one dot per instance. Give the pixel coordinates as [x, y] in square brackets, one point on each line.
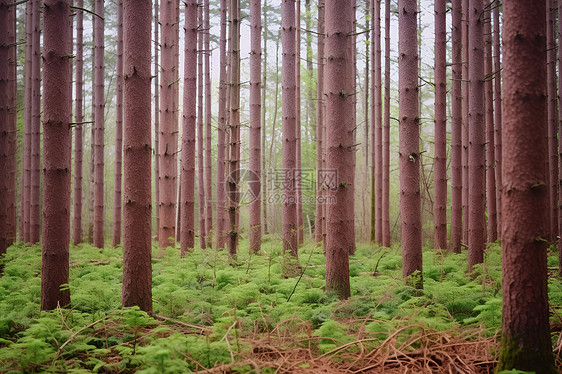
[234, 130]
[137, 210]
[78, 130]
[35, 198]
[156, 81]
[526, 341]
[208, 126]
[440, 160]
[386, 131]
[409, 153]
[367, 84]
[298, 158]
[8, 127]
[465, 102]
[456, 129]
[57, 155]
[187, 241]
[26, 178]
[559, 139]
[168, 140]
[490, 149]
[377, 120]
[200, 131]
[339, 146]
[99, 124]
[221, 133]
[477, 134]
[498, 115]
[118, 129]
[288, 40]
[374, 37]
[320, 130]
[263, 120]
[552, 120]
[255, 126]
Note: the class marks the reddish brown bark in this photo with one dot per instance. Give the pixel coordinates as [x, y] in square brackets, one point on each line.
[498, 115]
[385, 140]
[99, 85]
[118, 129]
[168, 140]
[339, 146]
[35, 197]
[8, 127]
[137, 153]
[476, 136]
[552, 120]
[26, 178]
[79, 129]
[456, 129]
[221, 136]
[200, 128]
[377, 118]
[526, 341]
[234, 130]
[320, 129]
[490, 149]
[440, 156]
[464, 137]
[156, 81]
[263, 121]
[187, 241]
[298, 157]
[375, 37]
[208, 127]
[57, 154]
[255, 126]
[410, 208]
[288, 40]
[559, 145]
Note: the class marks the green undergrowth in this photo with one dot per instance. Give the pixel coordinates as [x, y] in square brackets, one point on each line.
[208, 311]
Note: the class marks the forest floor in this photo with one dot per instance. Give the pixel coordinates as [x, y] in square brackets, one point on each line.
[211, 316]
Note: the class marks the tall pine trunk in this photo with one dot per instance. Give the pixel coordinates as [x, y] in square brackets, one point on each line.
[552, 120]
[255, 126]
[440, 153]
[465, 102]
[200, 131]
[456, 129]
[339, 146]
[137, 153]
[490, 148]
[386, 131]
[57, 43]
[377, 120]
[526, 341]
[498, 116]
[117, 199]
[477, 135]
[208, 127]
[264, 122]
[409, 150]
[320, 130]
[26, 179]
[79, 129]
[559, 141]
[156, 81]
[298, 158]
[99, 85]
[187, 230]
[35, 199]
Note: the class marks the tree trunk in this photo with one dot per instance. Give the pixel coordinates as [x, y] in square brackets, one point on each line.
[339, 146]
[526, 341]
[377, 118]
[456, 129]
[263, 120]
[200, 130]
[8, 127]
[79, 129]
[320, 131]
[255, 127]
[465, 101]
[221, 136]
[35, 199]
[57, 154]
[137, 154]
[298, 170]
[559, 140]
[373, 120]
[440, 153]
[476, 136]
[187, 241]
[26, 180]
[99, 125]
[208, 127]
[498, 116]
[168, 140]
[118, 129]
[288, 40]
[552, 120]
[234, 166]
[386, 132]
[156, 119]
[409, 153]
[490, 149]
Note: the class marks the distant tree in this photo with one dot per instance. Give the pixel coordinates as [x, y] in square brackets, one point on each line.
[57, 154]
[377, 119]
[255, 126]
[409, 152]
[498, 89]
[35, 197]
[200, 130]
[298, 157]
[552, 119]
[208, 127]
[156, 82]
[137, 211]
[386, 131]
[498, 115]
[320, 129]
[465, 102]
[526, 343]
[26, 164]
[79, 129]
[339, 145]
[490, 147]
[117, 196]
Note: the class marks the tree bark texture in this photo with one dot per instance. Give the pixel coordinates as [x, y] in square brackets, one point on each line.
[26, 179]
[559, 145]
[386, 132]
[117, 195]
[490, 149]
[465, 102]
[320, 129]
[552, 120]
[208, 127]
[79, 129]
[156, 81]
[200, 131]
[377, 118]
[298, 170]
[498, 115]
